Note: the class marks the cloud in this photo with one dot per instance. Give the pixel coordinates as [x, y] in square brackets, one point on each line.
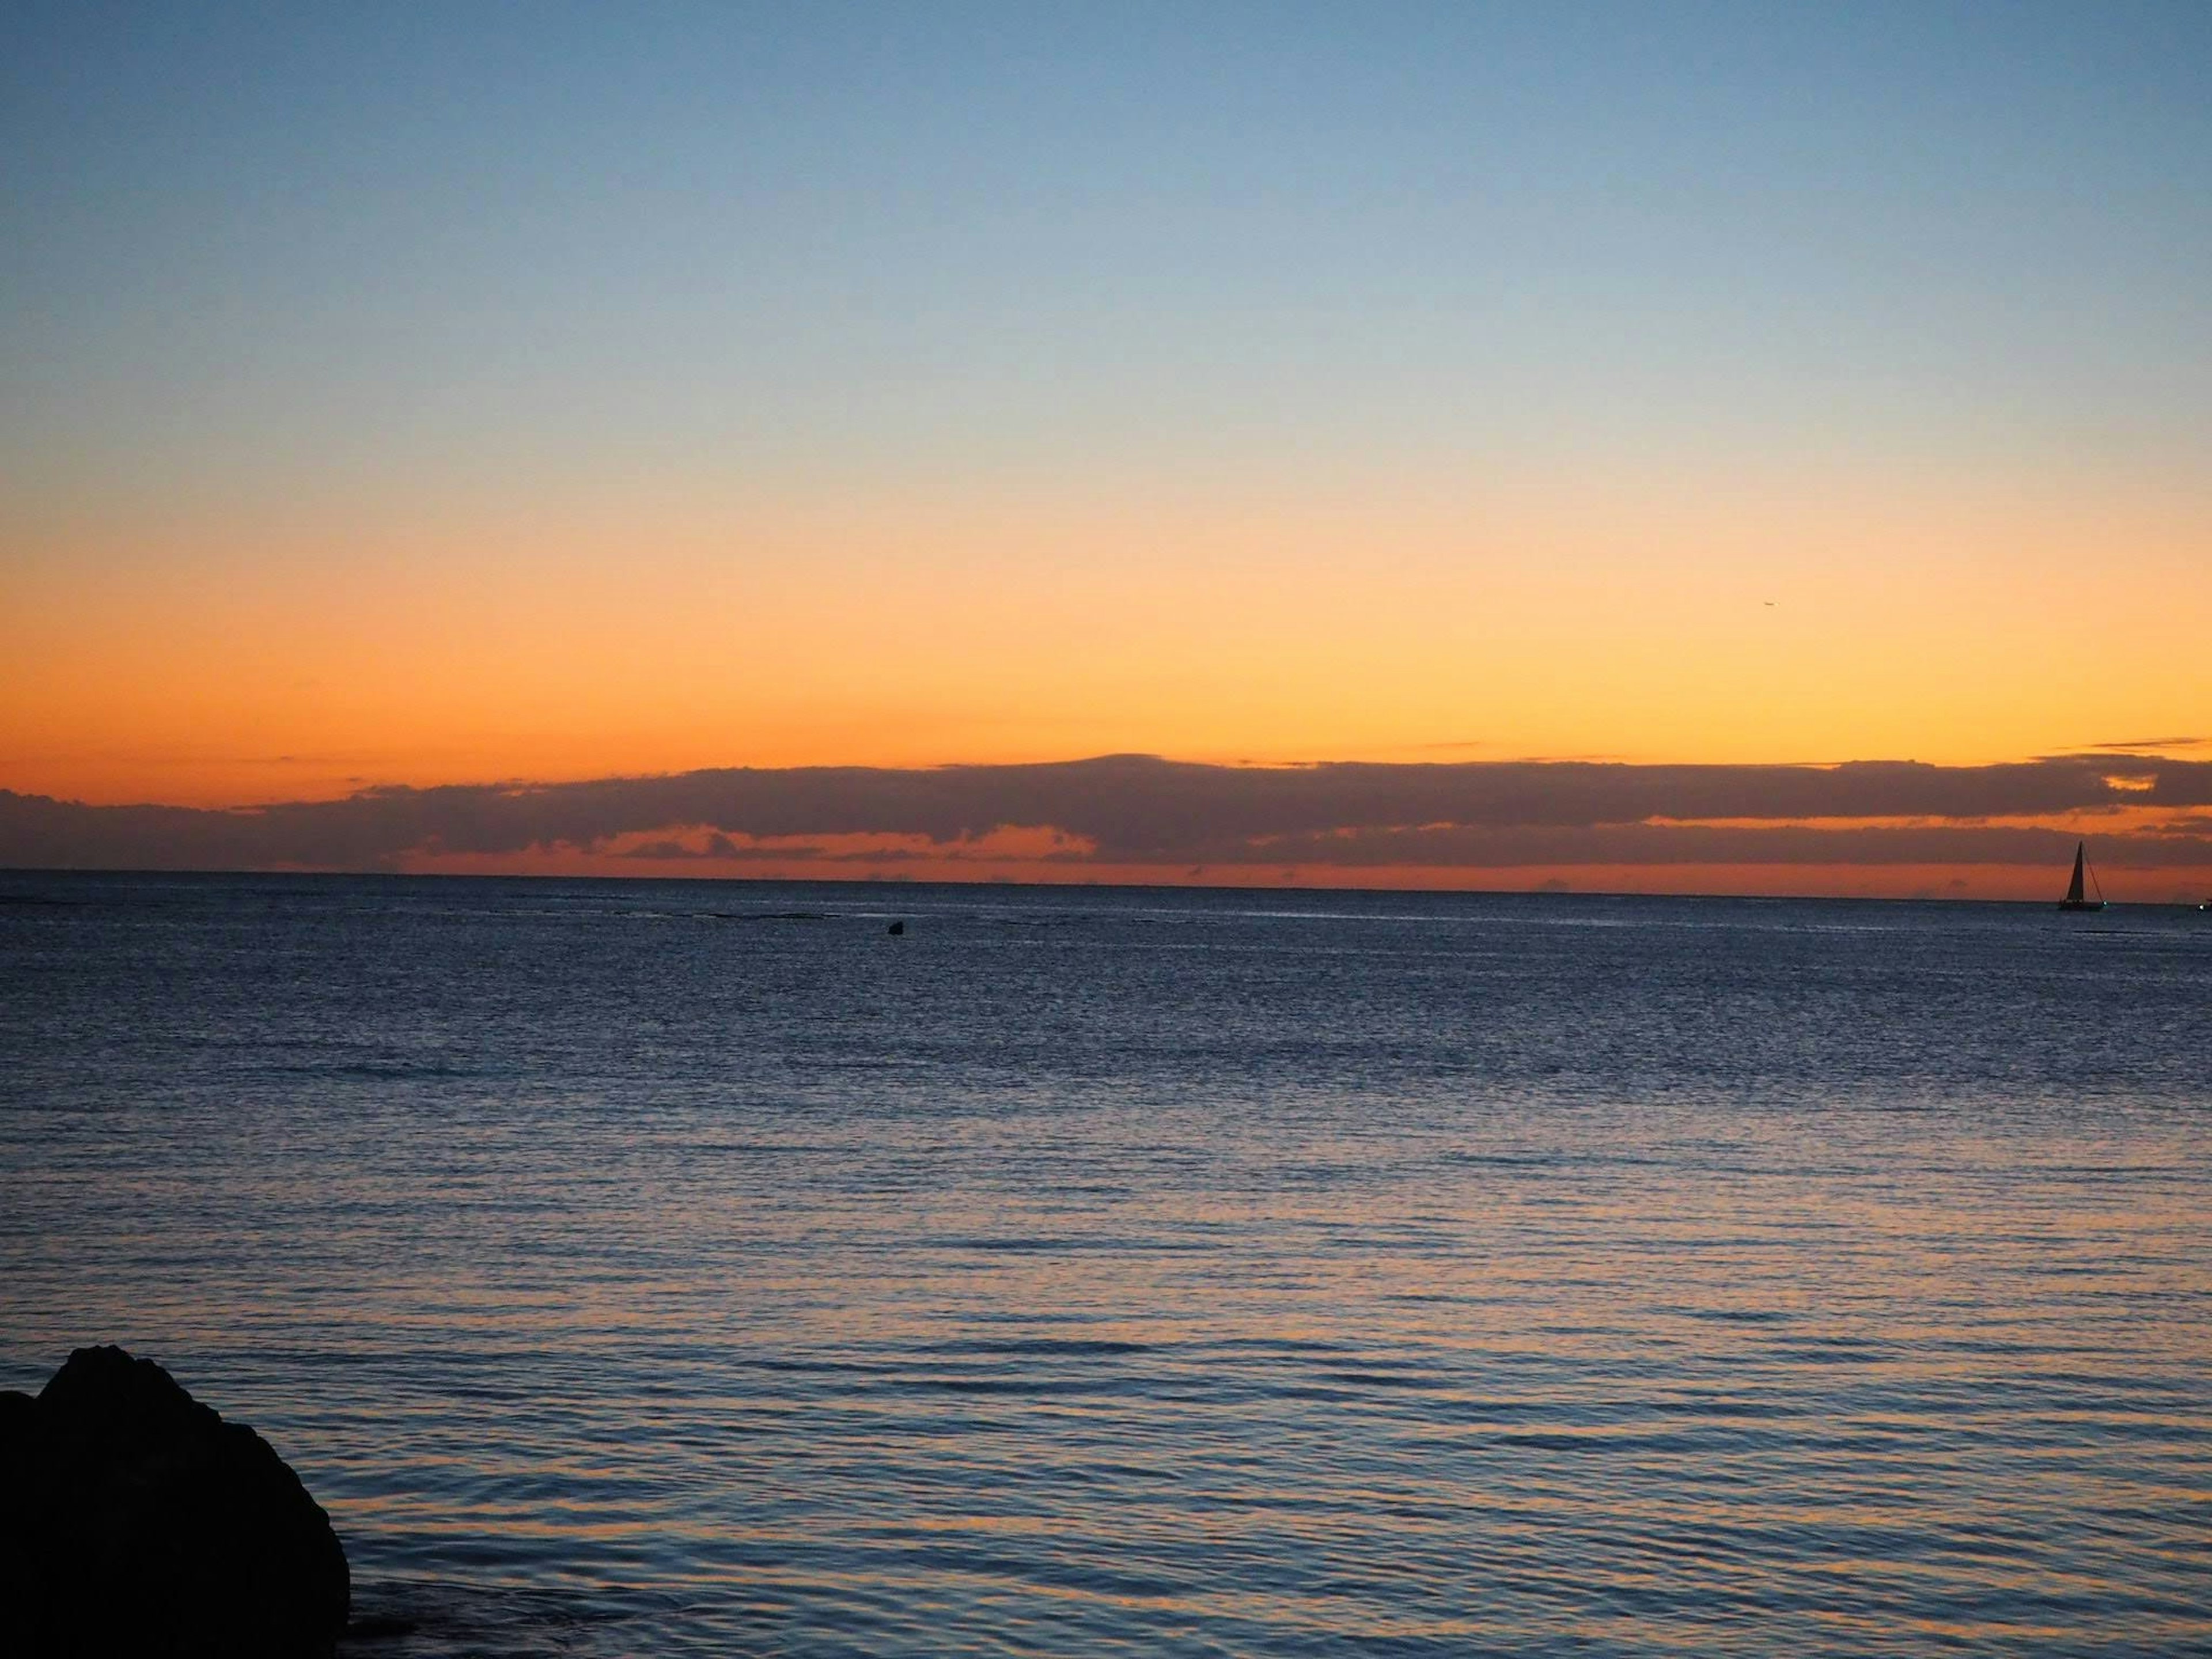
[2141, 745]
[1134, 809]
[1479, 847]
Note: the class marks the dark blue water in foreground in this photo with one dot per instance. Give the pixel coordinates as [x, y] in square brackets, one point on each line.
[651, 1268]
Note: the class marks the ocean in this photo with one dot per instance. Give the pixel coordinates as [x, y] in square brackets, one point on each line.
[658, 1267]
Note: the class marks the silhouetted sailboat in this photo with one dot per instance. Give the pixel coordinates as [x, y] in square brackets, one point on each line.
[2074, 901]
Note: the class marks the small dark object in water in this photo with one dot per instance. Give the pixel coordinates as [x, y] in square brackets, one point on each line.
[895, 928]
[134, 1519]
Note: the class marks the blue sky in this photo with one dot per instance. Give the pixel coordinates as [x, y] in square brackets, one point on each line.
[436, 394]
[976, 238]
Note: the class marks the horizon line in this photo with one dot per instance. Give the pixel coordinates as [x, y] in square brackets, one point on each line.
[1071, 885]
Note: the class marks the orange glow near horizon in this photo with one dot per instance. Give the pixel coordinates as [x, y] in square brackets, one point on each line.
[2178, 885]
[246, 653]
[1038, 855]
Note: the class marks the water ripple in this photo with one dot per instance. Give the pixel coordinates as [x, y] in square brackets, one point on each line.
[1126, 1274]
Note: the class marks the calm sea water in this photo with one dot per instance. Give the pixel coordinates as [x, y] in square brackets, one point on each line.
[654, 1268]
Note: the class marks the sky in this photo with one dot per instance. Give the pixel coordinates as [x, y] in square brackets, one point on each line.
[502, 400]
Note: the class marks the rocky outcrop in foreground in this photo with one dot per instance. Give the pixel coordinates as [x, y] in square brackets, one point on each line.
[134, 1519]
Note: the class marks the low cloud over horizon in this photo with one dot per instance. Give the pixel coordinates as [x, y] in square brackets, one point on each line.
[1132, 817]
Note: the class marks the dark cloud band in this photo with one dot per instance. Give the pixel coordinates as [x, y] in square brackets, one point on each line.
[1139, 809]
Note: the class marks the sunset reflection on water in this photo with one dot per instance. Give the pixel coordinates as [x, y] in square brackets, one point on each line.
[1072, 1276]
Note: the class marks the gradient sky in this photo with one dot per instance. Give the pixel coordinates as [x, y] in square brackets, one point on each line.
[416, 396]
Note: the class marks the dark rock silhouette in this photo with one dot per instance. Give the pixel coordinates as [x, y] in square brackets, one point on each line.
[895, 928]
[134, 1519]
